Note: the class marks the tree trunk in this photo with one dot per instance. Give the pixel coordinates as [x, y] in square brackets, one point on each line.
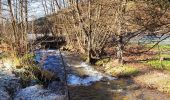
[89, 35]
[1, 21]
[120, 50]
[89, 51]
[26, 25]
[13, 20]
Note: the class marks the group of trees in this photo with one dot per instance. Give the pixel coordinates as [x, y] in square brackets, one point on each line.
[89, 25]
[92, 23]
[14, 23]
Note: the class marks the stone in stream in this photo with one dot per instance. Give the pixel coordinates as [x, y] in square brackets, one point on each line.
[37, 92]
[52, 65]
[57, 87]
[4, 95]
[51, 61]
[8, 86]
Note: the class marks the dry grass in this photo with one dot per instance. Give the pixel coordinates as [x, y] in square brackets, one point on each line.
[155, 80]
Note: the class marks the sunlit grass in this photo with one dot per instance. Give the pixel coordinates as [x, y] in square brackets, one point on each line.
[120, 71]
[164, 62]
[161, 47]
[157, 64]
[163, 56]
[156, 80]
[9, 60]
[102, 61]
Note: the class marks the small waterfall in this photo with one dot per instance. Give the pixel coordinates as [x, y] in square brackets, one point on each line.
[92, 76]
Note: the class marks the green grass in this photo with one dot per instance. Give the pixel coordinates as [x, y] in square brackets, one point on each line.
[162, 55]
[165, 47]
[161, 47]
[102, 61]
[121, 71]
[83, 57]
[157, 64]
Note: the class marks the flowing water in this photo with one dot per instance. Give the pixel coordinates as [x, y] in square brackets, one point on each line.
[52, 61]
[90, 76]
[86, 83]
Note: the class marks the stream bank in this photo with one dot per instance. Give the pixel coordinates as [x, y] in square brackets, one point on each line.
[85, 82]
[118, 89]
[11, 84]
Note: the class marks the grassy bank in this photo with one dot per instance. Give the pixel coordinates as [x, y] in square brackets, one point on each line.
[121, 71]
[159, 65]
[108, 66]
[155, 80]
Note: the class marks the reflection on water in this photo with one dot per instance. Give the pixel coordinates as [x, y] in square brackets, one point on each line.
[121, 89]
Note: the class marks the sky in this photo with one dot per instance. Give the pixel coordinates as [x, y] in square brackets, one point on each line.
[36, 10]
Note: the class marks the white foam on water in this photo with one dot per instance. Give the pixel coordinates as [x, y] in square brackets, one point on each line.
[92, 76]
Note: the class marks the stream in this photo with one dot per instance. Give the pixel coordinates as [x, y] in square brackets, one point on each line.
[90, 76]
[86, 83]
[85, 76]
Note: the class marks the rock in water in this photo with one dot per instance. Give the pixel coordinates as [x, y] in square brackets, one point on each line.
[37, 92]
[57, 87]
